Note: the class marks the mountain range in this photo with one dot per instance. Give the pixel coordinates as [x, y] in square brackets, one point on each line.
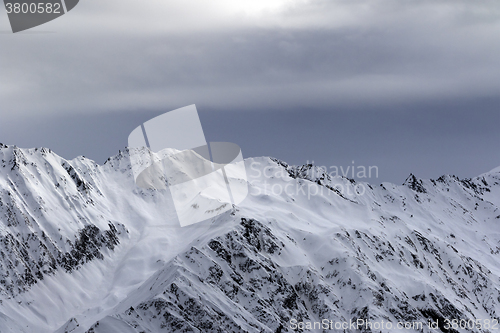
[84, 250]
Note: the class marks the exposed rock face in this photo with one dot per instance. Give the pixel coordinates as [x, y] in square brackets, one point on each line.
[235, 284]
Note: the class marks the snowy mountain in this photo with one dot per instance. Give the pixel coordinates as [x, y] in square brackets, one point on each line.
[83, 249]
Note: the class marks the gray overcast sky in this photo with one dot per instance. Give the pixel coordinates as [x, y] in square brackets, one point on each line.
[409, 86]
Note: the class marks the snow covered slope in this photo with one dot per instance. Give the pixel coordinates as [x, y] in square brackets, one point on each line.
[85, 250]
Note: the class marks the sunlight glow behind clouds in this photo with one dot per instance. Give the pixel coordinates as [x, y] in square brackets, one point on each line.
[253, 7]
[161, 16]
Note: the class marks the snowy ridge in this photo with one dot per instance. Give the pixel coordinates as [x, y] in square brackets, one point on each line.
[111, 257]
[31, 246]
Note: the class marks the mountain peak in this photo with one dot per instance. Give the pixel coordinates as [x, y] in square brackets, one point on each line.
[415, 184]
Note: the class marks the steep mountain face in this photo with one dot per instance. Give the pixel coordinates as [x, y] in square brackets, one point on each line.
[84, 250]
[31, 247]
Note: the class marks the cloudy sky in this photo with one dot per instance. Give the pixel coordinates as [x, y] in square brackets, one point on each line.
[408, 86]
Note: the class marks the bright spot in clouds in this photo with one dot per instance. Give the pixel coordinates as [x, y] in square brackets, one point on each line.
[255, 7]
